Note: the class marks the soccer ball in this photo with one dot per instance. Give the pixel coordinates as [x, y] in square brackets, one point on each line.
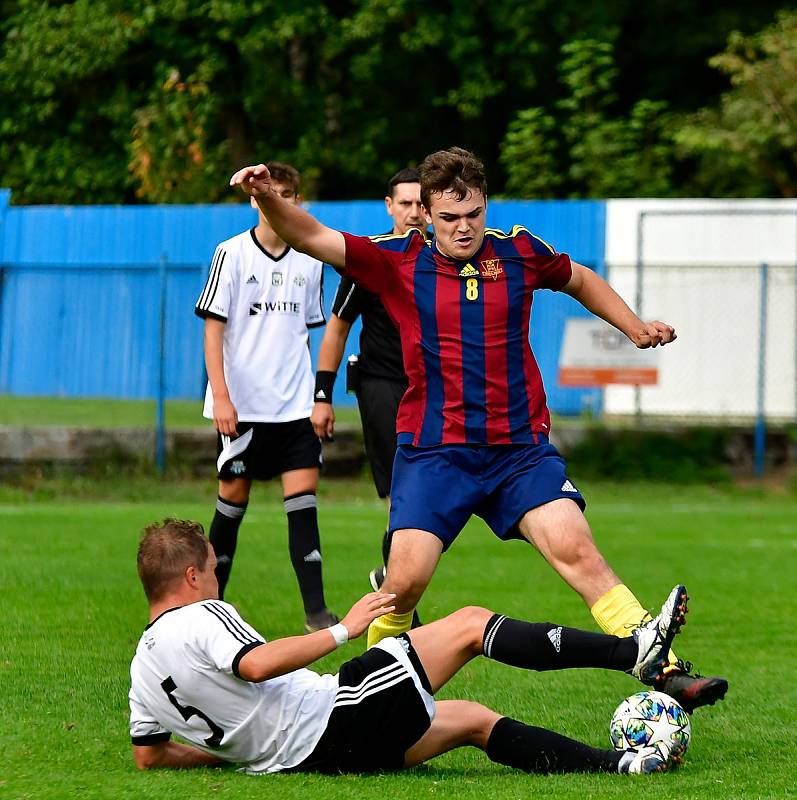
[649, 717]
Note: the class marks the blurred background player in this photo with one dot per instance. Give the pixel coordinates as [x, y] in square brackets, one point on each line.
[202, 672]
[473, 426]
[381, 381]
[260, 298]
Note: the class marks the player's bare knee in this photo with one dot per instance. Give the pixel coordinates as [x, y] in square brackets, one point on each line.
[480, 723]
[407, 588]
[470, 622]
[577, 549]
[588, 558]
[234, 491]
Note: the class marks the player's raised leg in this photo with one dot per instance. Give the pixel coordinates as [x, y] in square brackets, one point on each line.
[446, 645]
[559, 530]
[443, 647]
[413, 559]
[562, 535]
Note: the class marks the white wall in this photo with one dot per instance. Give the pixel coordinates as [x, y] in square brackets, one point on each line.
[701, 274]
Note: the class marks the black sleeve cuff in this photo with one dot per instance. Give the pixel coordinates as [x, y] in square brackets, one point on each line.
[200, 312]
[236, 662]
[152, 738]
[317, 324]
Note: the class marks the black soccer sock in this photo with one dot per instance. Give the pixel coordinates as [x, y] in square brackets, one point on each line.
[535, 749]
[224, 537]
[386, 540]
[543, 646]
[305, 549]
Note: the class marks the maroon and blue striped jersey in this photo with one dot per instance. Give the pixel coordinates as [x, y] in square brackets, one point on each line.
[464, 328]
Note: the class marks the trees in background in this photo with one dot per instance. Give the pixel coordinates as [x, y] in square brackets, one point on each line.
[105, 101]
[747, 143]
[583, 147]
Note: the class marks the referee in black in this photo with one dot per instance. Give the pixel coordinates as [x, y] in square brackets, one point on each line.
[380, 380]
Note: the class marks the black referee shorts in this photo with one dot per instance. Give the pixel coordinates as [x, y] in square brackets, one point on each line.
[383, 706]
[263, 450]
[379, 400]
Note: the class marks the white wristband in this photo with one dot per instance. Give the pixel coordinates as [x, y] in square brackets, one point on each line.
[339, 633]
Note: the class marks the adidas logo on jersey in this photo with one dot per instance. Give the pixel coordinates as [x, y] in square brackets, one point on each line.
[555, 635]
[568, 487]
[469, 271]
[313, 555]
[252, 279]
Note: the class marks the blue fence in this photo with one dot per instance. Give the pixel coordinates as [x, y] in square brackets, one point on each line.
[80, 291]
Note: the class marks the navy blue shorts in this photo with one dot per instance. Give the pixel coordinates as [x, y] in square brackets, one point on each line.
[437, 489]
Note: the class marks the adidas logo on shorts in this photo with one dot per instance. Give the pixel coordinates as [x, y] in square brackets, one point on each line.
[313, 555]
[555, 635]
[568, 487]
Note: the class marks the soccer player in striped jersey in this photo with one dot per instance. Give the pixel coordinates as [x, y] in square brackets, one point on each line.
[473, 426]
[203, 673]
[260, 299]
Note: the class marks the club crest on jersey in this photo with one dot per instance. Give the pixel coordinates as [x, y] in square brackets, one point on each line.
[276, 279]
[469, 271]
[491, 268]
[300, 280]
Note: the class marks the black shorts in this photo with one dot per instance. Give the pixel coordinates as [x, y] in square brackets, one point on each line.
[263, 450]
[379, 400]
[383, 706]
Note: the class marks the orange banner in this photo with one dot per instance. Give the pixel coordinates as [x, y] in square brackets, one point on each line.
[604, 376]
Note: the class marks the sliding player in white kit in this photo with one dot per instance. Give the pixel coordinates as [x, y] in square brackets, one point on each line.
[260, 298]
[201, 672]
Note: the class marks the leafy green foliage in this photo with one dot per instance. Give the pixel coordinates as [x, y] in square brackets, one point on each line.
[106, 101]
[172, 159]
[747, 144]
[529, 155]
[581, 149]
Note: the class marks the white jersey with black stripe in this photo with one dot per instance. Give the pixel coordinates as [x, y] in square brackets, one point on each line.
[184, 681]
[268, 303]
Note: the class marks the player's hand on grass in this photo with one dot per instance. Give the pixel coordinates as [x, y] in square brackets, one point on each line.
[254, 180]
[653, 334]
[366, 610]
[323, 421]
[225, 417]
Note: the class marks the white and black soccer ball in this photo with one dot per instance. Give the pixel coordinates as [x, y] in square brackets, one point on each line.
[645, 718]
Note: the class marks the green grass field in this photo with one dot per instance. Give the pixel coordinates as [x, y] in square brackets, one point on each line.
[73, 611]
[101, 412]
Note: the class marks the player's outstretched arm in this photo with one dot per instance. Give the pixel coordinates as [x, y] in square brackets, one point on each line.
[598, 297]
[290, 222]
[172, 755]
[281, 656]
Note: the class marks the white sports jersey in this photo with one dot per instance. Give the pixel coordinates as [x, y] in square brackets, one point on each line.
[267, 304]
[183, 681]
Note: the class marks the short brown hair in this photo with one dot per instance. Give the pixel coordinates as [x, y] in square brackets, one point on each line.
[166, 550]
[455, 169]
[285, 174]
